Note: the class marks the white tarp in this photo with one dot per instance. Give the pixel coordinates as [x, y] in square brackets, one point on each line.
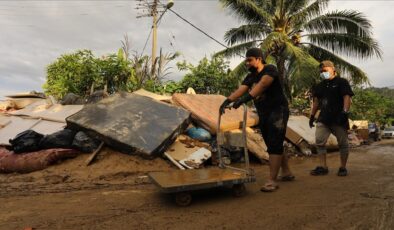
[50, 112]
[10, 126]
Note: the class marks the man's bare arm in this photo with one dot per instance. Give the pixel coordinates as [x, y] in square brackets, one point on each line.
[261, 86]
[242, 89]
[346, 103]
[315, 106]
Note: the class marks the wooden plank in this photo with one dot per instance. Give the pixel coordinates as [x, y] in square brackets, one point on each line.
[94, 154]
[174, 161]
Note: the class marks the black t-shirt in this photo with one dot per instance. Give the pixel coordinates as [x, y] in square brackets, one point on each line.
[273, 97]
[330, 97]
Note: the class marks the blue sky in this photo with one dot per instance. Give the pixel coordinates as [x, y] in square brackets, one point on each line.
[34, 33]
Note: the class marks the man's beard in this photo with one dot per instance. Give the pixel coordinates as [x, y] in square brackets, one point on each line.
[252, 69]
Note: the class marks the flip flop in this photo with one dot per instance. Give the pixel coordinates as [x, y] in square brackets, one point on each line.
[270, 187]
[287, 178]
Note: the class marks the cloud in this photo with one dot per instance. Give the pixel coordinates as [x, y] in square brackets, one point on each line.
[35, 33]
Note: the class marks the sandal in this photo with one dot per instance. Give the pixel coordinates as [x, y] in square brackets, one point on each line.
[269, 187]
[319, 171]
[287, 178]
[342, 171]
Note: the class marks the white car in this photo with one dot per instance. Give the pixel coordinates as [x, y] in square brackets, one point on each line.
[388, 132]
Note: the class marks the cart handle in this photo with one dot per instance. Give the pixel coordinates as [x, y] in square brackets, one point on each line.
[245, 147]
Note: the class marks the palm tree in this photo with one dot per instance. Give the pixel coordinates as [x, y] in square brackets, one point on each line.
[296, 35]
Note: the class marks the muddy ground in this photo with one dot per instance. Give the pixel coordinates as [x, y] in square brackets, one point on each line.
[111, 194]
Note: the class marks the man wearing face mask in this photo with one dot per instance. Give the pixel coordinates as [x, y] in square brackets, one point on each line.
[333, 97]
[264, 87]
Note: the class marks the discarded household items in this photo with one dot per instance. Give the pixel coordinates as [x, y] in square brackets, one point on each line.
[42, 116]
[21, 100]
[255, 142]
[154, 96]
[33, 161]
[182, 182]
[199, 134]
[48, 111]
[185, 148]
[361, 129]
[132, 123]
[10, 126]
[30, 141]
[205, 110]
[300, 134]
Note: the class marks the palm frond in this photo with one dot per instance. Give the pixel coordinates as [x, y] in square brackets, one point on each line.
[237, 50]
[246, 33]
[305, 14]
[346, 69]
[302, 68]
[247, 10]
[240, 71]
[292, 6]
[273, 43]
[347, 44]
[346, 21]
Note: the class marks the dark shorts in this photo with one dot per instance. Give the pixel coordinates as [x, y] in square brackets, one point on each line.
[273, 124]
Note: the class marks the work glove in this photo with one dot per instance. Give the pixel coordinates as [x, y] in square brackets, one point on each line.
[311, 121]
[242, 100]
[223, 106]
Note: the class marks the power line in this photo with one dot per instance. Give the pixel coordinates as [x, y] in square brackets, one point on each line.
[205, 33]
[198, 29]
[147, 39]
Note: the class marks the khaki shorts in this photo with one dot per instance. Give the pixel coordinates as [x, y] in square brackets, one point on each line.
[323, 132]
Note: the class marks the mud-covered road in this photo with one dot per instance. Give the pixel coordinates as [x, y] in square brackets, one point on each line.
[111, 194]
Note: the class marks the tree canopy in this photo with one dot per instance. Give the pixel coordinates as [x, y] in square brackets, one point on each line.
[297, 35]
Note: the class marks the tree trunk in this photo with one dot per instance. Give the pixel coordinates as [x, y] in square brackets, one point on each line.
[283, 78]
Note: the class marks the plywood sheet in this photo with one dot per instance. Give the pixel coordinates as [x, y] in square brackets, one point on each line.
[205, 111]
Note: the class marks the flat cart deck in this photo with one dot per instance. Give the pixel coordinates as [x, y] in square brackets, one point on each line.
[188, 180]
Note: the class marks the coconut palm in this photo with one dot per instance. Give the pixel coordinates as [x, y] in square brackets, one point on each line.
[296, 35]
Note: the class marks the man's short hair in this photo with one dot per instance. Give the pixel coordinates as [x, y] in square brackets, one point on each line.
[326, 63]
[254, 52]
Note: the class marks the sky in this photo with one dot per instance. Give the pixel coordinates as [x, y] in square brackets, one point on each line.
[34, 34]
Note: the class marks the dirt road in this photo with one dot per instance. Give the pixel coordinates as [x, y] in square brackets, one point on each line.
[110, 195]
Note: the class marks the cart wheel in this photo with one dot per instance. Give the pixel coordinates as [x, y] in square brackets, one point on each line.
[183, 198]
[239, 190]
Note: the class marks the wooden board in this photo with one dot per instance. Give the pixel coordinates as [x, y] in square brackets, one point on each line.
[205, 111]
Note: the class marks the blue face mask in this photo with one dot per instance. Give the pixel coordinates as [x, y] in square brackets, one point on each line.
[325, 75]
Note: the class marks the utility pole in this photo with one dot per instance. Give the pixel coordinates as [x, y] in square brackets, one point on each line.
[152, 8]
[154, 27]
